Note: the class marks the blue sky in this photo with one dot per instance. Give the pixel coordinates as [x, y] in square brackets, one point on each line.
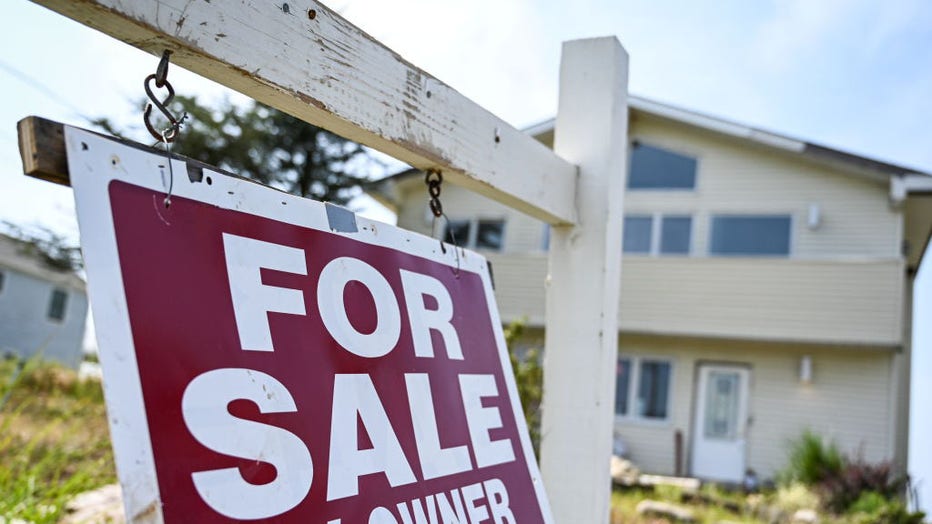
[853, 74]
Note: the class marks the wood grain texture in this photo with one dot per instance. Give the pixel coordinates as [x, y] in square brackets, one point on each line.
[42, 149]
[325, 71]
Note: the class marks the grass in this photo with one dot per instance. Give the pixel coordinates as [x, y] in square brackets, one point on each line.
[54, 440]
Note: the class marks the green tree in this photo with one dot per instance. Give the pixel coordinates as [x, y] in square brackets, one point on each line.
[40, 242]
[529, 376]
[267, 145]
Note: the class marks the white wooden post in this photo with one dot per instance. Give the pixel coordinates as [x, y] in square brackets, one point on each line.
[585, 273]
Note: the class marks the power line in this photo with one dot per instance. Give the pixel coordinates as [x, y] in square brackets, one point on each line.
[39, 86]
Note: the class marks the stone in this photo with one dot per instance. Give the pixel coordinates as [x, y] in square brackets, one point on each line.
[103, 505]
[805, 516]
[655, 508]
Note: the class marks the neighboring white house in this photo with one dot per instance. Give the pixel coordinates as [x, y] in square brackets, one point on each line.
[43, 310]
[766, 289]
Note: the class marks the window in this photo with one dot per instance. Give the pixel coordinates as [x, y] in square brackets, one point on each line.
[656, 168]
[475, 234]
[647, 382]
[2, 276]
[750, 235]
[657, 234]
[57, 303]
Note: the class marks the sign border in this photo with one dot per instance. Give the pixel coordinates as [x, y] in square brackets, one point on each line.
[93, 162]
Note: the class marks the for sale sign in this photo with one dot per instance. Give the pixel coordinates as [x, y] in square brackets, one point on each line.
[271, 358]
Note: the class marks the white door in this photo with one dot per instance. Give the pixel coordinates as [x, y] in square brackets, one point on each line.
[720, 426]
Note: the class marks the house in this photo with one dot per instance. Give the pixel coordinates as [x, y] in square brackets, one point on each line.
[766, 290]
[43, 309]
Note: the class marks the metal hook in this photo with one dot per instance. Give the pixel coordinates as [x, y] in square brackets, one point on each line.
[161, 80]
[174, 123]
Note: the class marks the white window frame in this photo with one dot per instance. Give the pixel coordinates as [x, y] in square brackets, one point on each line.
[656, 230]
[470, 241]
[634, 383]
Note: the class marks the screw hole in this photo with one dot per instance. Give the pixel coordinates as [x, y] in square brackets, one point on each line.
[311, 14]
[83, 146]
[286, 9]
[210, 181]
[428, 94]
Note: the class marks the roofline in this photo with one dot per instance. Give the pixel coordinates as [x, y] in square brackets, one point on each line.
[761, 136]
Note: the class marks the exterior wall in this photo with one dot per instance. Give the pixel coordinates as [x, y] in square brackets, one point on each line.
[848, 400]
[25, 328]
[842, 283]
[734, 177]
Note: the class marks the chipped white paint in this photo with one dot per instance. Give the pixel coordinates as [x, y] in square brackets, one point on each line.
[585, 274]
[328, 72]
[311, 63]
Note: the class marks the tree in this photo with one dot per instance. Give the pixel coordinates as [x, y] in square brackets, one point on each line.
[40, 242]
[269, 146]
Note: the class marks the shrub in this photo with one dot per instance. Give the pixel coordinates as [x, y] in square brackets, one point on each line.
[860, 482]
[811, 460]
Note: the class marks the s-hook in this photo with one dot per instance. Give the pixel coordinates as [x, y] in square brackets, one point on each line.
[160, 77]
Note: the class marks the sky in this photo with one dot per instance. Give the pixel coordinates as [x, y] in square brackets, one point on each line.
[854, 74]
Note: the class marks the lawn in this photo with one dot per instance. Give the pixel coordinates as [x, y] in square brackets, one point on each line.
[54, 440]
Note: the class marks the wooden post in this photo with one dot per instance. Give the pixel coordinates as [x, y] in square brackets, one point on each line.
[585, 274]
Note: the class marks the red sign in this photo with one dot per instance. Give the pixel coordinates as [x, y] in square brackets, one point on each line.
[288, 372]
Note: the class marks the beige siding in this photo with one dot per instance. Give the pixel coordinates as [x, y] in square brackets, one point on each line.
[736, 177]
[847, 301]
[853, 302]
[847, 401]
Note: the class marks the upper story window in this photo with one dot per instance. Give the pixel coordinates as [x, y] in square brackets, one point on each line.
[656, 168]
[642, 388]
[657, 234]
[58, 301]
[762, 235]
[476, 233]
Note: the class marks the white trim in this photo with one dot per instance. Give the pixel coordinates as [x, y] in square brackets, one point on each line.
[634, 381]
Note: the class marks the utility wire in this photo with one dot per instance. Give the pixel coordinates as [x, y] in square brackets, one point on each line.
[39, 86]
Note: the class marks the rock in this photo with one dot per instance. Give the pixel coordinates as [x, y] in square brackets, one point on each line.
[103, 505]
[805, 516]
[655, 508]
[624, 472]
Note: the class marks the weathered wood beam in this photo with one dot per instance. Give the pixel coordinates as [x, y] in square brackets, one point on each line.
[304, 59]
[42, 148]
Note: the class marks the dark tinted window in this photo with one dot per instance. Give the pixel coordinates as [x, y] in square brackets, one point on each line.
[2, 276]
[57, 303]
[655, 168]
[489, 235]
[622, 382]
[457, 232]
[637, 234]
[653, 389]
[675, 234]
[750, 235]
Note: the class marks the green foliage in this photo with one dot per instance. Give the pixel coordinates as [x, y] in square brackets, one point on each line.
[54, 442]
[264, 144]
[529, 375]
[811, 460]
[46, 245]
[858, 479]
[875, 508]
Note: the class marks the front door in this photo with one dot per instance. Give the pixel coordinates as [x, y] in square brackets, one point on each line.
[720, 425]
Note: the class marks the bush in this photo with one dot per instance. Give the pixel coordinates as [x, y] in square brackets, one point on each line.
[873, 508]
[811, 460]
[860, 482]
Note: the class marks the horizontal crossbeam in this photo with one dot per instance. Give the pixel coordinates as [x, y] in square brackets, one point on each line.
[304, 59]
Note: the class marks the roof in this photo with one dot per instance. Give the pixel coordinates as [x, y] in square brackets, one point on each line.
[15, 256]
[757, 135]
